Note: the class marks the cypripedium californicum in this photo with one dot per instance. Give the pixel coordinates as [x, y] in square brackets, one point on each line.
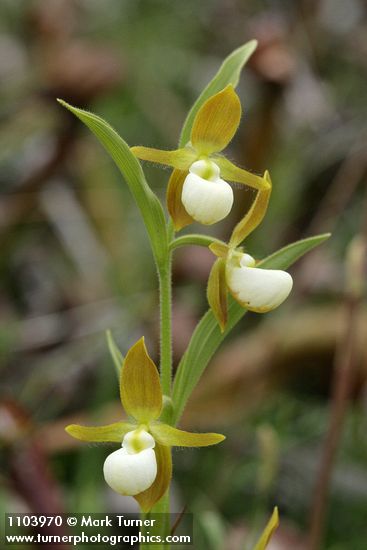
[196, 190]
[142, 468]
[254, 288]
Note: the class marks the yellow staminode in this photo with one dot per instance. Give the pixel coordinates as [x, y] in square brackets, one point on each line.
[142, 468]
[213, 128]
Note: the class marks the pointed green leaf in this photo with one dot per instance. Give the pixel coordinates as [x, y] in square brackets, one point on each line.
[288, 255]
[149, 205]
[228, 73]
[268, 531]
[116, 354]
[112, 432]
[140, 387]
[207, 336]
[173, 437]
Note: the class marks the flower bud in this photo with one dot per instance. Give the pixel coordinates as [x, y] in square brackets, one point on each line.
[133, 468]
[205, 196]
[257, 289]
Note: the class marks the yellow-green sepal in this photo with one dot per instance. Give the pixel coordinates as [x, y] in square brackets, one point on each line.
[217, 292]
[268, 531]
[176, 209]
[231, 172]
[228, 73]
[140, 387]
[216, 122]
[179, 158]
[147, 499]
[109, 433]
[254, 216]
[173, 437]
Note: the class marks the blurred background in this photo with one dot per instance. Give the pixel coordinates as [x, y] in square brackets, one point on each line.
[75, 259]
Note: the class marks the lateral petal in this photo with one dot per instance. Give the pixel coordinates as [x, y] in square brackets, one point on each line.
[173, 437]
[179, 158]
[254, 216]
[216, 122]
[231, 172]
[176, 209]
[151, 496]
[140, 387]
[217, 292]
[111, 432]
[268, 531]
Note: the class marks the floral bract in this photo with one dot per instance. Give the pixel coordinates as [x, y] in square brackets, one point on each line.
[198, 188]
[143, 466]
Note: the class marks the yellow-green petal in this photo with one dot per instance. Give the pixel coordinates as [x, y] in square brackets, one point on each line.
[148, 498]
[179, 158]
[231, 172]
[219, 249]
[176, 209]
[217, 292]
[216, 122]
[112, 432]
[140, 387]
[173, 437]
[254, 216]
[268, 531]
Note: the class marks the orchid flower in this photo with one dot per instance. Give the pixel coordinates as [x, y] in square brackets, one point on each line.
[254, 288]
[196, 190]
[142, 467]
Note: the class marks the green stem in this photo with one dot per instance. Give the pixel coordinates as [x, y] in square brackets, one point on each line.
[165, 298]
[165, 291]
[160, 528]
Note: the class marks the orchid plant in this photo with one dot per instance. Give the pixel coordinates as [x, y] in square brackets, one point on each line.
[198, 190]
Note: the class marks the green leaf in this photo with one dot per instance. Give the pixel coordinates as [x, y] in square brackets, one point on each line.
[116, 354]
[229, 73]
[268, 531]
[149, 205]
[207, 336]
[288, 255]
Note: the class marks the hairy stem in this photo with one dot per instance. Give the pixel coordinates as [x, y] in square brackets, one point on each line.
[159, 528]
[165, 291]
